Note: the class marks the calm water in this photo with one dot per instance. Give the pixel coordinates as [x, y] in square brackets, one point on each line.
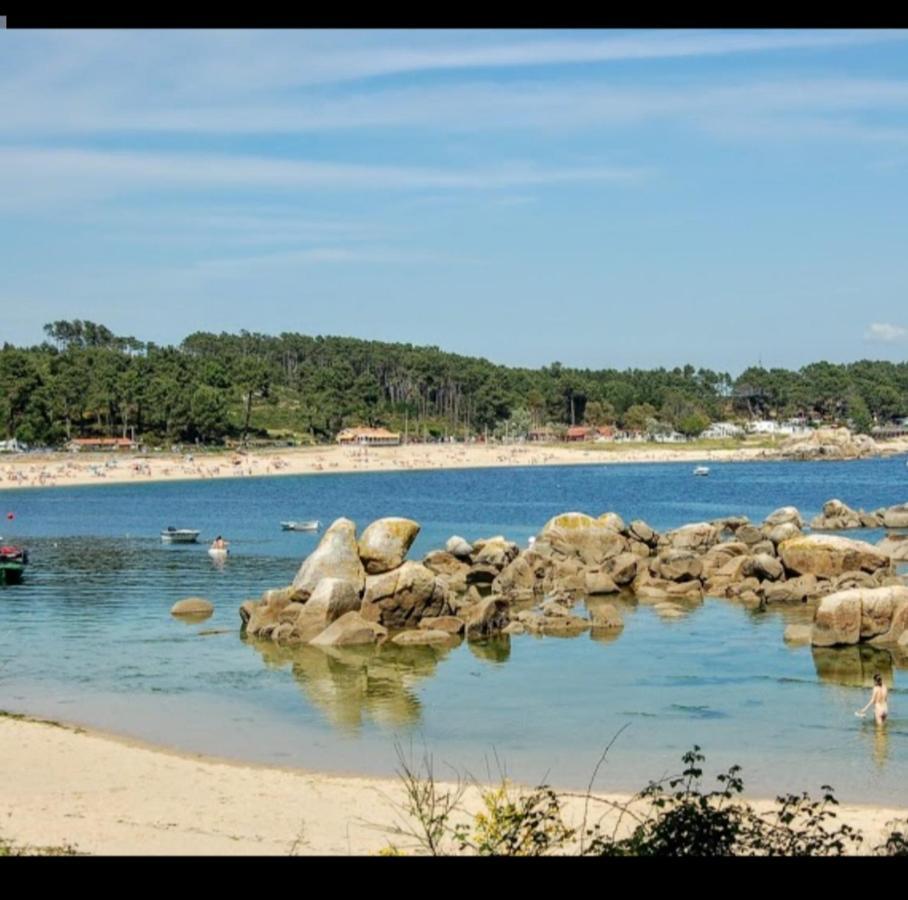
[88, 637]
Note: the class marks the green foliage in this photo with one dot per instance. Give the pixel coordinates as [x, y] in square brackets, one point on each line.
[673, 817]
[86, 380]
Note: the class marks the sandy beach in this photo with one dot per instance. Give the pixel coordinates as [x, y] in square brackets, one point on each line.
[70, 469]
[102, 794]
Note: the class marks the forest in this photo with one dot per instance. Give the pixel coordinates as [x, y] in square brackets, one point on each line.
[83, 380]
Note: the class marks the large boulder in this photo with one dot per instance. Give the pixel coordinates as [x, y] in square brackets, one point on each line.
[896, 516]
[784, 515]
[878, 614]
[838, 620]
[612, 520]
[698, 536]
[384, 544]
[598, 582]
[349, 630]
[459, 547]
[522, 574]
[623, 568]
[195, 607]
[331, 599]
[895, 546]
[677, 565]
[826, 555]
[829, 443]
[400, 598]
[640, 531]
[423, 636]
[336, 556]
[495, 551]
[782, 532]
[488, 619]
[576, 536]
[605, 615]
[453, 570]
[836, 515]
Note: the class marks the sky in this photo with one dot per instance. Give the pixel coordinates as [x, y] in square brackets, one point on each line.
[600, 198]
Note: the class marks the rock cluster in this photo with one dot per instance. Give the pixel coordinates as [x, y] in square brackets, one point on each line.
[829, 443]
[361, 591]
[837, 515]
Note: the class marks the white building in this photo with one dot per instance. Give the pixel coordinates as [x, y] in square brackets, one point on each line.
[722, 430]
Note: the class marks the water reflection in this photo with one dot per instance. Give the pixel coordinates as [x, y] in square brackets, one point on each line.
[350, 684]
[496, 650]
[853, 666]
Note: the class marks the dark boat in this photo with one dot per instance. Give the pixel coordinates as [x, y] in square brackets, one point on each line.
[13, 561]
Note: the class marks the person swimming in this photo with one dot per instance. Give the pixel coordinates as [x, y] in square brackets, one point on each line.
[879, 698]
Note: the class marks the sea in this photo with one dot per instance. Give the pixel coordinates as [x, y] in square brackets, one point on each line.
[88, 638]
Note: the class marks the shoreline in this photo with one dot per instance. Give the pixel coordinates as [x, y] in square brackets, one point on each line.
[62, 469]
[103, 793]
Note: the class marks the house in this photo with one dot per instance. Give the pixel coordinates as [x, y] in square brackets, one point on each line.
[579, 433]
[90, 444]
[722, 430]
[605, 433]
[764, 426]
[368, 437]
[543, 435]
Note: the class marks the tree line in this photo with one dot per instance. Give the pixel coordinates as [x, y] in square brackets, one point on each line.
[83, 380]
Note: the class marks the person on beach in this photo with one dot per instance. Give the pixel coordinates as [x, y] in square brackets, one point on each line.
[879, 699]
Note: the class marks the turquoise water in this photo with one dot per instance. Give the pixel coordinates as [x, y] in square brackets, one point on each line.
[88, 637]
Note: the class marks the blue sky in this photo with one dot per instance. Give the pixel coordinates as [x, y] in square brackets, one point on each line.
[601, 198]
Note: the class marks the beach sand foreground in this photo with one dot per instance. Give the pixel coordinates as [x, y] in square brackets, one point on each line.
[102, 794]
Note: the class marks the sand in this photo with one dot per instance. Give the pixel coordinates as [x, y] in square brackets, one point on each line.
[69, 469]
[101, 794]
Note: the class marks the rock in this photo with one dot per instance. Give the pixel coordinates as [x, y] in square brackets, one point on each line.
[596, 582]
[638, 548]
[496, 552]
[278, 598]
[592, 546]
[518, 575]
[688, 591]
[870, 520]
[677, 565]
[767, 568]
[290, 613]
[783, 532]
[449, 624]
[459, 547]
[192, 606]
[749, 535]
[481, 574]
[719, 556]
[350, 629]
[332, 598]
[836, 515]
[400, 598]
[895, 546]
[564, 626]
[652, 593]
[569, 522]
[829, 555]
[605, 615]
[336, 556]
[515, 628]
[898, 622]
[765, 546]
[623, 568]
[670, 611]
[896, 516]
[282, 632]
[423, 636]
[639, 530]
[453, 569]
[247, 608]
[489, 619]
[783, 515]
[612, 520]
[384, 544]
[699, 537]
[829, 443]
[795, 590]
[797, 634]
[838, 620]
[531, 620]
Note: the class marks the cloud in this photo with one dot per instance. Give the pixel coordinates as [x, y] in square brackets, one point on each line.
[886, 332]
[43, 176]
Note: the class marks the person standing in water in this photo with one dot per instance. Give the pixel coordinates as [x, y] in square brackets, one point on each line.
[219, 543]
[879, 698]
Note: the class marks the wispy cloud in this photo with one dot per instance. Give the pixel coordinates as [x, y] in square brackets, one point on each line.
[886, 332]
[30, 175]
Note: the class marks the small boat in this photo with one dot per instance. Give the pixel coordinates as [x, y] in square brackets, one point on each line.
[13, 561]
[300, 526]
[218, 552]
[173, 535]
[701, 470]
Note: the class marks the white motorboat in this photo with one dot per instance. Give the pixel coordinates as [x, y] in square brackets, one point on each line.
[173, 535]
[301, 526]
[701, 470]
